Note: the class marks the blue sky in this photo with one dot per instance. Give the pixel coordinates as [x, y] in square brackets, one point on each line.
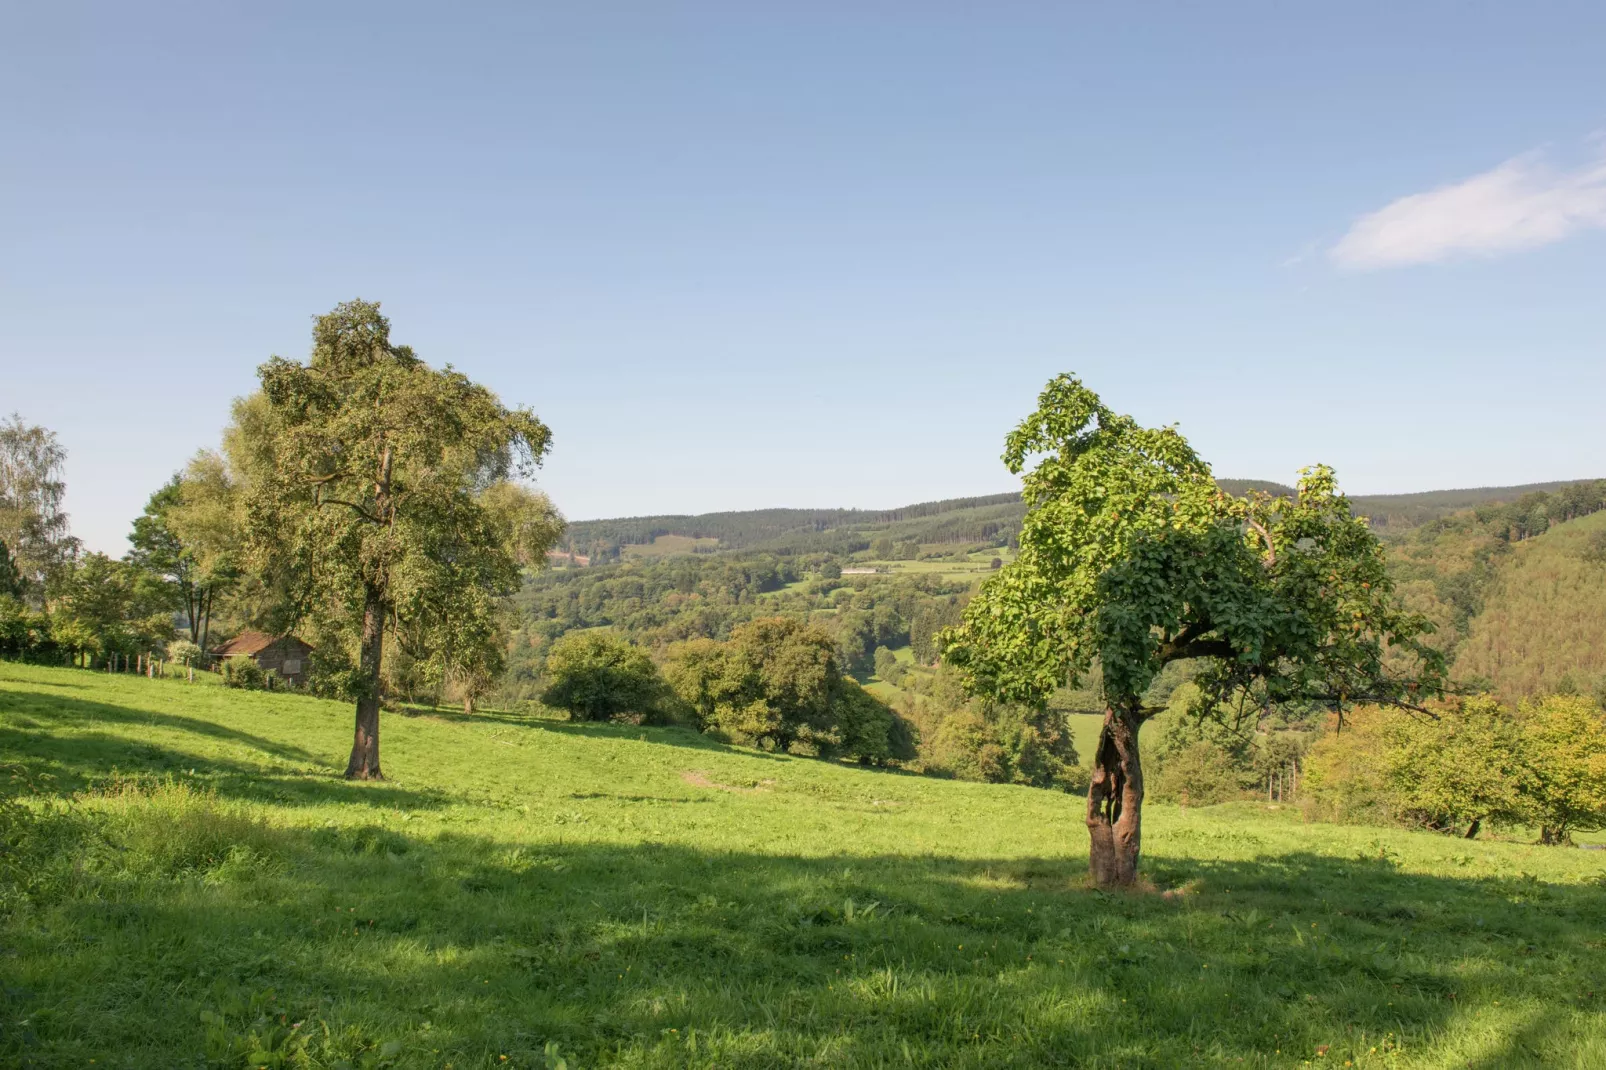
[748, 255]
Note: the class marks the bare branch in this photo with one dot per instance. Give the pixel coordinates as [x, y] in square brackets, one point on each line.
[359, 510]
[1271, 551]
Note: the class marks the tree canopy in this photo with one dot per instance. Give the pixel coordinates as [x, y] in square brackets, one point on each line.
[33, 526]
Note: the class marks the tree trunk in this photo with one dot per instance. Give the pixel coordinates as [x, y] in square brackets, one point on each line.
[206, 621]
[1115, 801]
[192, 611]
[364, 764]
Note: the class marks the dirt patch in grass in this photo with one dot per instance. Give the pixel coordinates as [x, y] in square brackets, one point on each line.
[698, 779]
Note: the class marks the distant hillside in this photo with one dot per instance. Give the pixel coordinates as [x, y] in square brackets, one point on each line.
[979, 519]
[1401, 511]
[992, 519]
[1543, 621]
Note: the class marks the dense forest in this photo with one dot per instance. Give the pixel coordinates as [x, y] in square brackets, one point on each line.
[991, 519]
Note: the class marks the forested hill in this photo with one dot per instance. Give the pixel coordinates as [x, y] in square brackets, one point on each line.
[988, 519]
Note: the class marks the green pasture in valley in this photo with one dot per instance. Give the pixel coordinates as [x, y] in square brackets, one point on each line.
[664, 545]
[187, 882]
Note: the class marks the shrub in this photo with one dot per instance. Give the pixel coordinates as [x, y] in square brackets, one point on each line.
[772, 685]
[183, 652]
[242, 673]
[597, 676]
[1201, 773]
[1460, 767]
[1468, 762]
[867, 729]
[1563, 738]
[886, 665]
[1005, 744]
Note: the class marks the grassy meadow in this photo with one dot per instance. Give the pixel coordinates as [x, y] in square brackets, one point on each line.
[196, 886]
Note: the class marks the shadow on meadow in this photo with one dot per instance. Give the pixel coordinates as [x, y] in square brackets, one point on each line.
[453, 949]
[75, 760]
[669, 735]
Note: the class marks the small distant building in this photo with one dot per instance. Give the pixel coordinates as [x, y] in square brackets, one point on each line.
[284, 654]
[860, 571]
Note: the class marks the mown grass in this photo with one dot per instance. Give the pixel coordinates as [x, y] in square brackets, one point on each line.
[200, 888]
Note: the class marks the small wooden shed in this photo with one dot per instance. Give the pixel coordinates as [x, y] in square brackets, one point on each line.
[284, 654]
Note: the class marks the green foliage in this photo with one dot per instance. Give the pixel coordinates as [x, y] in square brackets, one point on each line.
[773, 685]
[866, 729]
[1132, 555]
[598, 676]
[11, 579]
[33, 528]
[1463, 764]
[1202, 773]
[184, 652]
[1563, 743]
[776, 684]
[243, 673]
[999, 743]
[26, 633]
[1468, 762]
[107, 606]
[1542, 624]
[886, 665]
[551, 891]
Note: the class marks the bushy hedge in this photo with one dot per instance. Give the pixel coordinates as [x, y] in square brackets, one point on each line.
[1541, 765]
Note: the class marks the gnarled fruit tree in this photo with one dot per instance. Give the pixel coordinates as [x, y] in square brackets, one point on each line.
[1132, 557]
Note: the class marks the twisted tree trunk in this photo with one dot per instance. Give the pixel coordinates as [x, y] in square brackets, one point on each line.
[1115, 801]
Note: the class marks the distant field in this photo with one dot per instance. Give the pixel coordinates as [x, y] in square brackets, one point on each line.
[664, 545]
[198, 887]
[973, 566]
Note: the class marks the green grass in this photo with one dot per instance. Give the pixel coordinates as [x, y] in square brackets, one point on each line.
[615, 896]
[664, 545]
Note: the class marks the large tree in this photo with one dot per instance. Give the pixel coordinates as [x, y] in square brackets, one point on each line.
[1131, 557]
[186, 538]
[32, 523]
[369, 485]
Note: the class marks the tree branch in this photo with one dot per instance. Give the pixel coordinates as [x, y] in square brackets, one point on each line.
[1271, 551]
[359, 510]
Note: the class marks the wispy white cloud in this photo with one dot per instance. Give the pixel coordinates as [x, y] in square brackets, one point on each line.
[1521, 204]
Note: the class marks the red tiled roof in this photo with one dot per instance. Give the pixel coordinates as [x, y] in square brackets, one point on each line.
[248, 643]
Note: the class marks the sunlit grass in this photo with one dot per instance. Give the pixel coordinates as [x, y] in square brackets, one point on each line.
[619, 896]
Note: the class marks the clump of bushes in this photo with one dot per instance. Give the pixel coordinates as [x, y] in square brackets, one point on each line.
[1202, 773]
[973, 738]
[1542, 765]
[243, 673]
[185, 653]
[777, 684]
[599, 676]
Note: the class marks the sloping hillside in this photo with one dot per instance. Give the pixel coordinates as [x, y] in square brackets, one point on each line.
[994, 519]
[187, 882]
[1543, 621]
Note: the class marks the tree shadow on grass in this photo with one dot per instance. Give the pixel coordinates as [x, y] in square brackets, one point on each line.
[461, 950]
[63, 711]
[66, 764]
[669, 735]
